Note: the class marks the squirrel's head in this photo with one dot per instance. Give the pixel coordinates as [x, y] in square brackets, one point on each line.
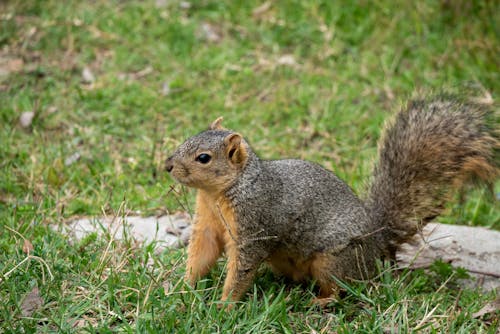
[211, 160]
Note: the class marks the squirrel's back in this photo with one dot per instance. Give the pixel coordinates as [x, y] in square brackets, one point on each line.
[306, 206]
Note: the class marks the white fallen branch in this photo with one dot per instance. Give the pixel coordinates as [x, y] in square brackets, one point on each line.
[166, 231]
[476, 249]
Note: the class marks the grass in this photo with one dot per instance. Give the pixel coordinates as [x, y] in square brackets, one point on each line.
[313, 80]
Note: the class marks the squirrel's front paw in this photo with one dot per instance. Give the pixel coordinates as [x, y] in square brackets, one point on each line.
[226, 305]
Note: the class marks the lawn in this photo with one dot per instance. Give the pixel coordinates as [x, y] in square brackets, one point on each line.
[114, 86]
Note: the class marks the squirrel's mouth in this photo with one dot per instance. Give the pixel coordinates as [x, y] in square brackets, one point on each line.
[182, 176]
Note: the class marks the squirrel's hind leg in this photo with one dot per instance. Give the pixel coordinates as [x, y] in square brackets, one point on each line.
[318, 267]
[321, 271]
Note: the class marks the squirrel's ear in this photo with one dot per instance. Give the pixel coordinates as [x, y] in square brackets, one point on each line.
[235, 149]
[216, 125]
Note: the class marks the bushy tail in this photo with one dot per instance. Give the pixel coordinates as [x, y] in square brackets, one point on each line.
[432, 147]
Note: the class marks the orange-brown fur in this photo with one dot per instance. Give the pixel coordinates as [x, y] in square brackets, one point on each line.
[321, 271]
[318, 266]
[214, 231]
[290, 265]
[207, 240]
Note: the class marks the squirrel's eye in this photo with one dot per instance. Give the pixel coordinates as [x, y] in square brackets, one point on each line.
[203, 158]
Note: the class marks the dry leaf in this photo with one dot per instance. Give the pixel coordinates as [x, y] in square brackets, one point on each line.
[9, 65]
[262, 9]
[87, 75]
[165, 89]
[136, 75]
[287, 60]
[51, 109]
[27, 246]
[79, 323]
[85, 321]
[144, 72]
[167, 286]
[185, 4]
[31, 303]
[161, 3]
[26, 118]
[491, 307]
[72, 159]
[209, 32]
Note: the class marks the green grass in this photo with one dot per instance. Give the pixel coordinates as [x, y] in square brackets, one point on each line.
[354, 65]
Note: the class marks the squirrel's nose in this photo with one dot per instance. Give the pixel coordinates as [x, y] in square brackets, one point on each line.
[169, 165]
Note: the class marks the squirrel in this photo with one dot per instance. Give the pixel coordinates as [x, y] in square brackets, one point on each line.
[305, 222]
